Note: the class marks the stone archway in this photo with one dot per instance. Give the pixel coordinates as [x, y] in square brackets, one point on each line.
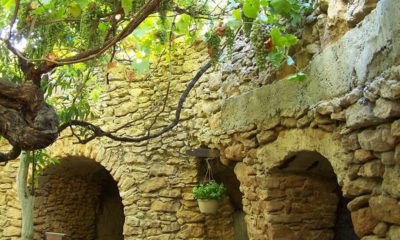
[306, 201]
[80, 198]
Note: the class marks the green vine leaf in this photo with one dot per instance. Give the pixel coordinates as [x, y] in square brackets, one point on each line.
[251, 8]
[127, 6]
[281, 6]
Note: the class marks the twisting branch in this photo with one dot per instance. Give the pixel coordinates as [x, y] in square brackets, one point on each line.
[12, 154]
[14, 19]
[98, 132]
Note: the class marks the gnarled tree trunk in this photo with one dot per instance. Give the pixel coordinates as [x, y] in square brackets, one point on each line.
[26, 120]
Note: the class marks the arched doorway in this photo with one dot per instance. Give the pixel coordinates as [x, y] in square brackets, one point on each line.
[80, 198]
[312, 206]
[230, 222]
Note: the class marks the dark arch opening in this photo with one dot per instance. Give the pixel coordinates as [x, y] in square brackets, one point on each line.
[226, 175]
[80, 198]
[320, 182]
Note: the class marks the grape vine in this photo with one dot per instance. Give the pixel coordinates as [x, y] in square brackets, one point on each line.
[88, 26]
[229, 39]
[258, 36]
[214, 46]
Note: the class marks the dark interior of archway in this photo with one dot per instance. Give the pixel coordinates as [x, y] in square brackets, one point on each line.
[107, 209]
[311, 163]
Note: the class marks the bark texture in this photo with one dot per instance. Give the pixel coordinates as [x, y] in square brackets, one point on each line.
[26, 120]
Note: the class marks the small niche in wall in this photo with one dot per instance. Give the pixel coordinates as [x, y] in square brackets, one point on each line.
[225, 174]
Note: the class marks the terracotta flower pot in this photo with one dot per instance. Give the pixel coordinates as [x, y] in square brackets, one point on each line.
[209, 206]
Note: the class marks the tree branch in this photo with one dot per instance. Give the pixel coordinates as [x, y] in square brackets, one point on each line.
[98, 132]
[12, 154]
[93, 53]
[14, 19]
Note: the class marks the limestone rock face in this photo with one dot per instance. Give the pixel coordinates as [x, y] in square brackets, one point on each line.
[358, 203]
[385, 209]
[358, 9]
[386, 108]
[390, 89]
[378, 140]
[153, 184]
[363, 221]
[361, 115]
[391, 180]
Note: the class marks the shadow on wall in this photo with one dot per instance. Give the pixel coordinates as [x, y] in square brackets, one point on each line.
[314, 205]
[80, 198]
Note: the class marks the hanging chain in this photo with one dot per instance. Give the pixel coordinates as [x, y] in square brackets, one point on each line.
[209, 177]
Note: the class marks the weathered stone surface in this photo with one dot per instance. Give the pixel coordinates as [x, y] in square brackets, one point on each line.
[363, 221]
[326, 108]
[390, 89]
[289, 122]
[391, 180]
[359, 186]
[280, 231]
[394, 233]
[395, 130]
[387, 158]
[191, 231]
[153, 184]
[189, 216]
[358, 9]
[358, 202]
[361, 115]
[350, 142]
[385, 209]
[165, 170]
[235, 152]
[362, 156]
[386, 108]
[164, 206]
[351, 97]
[380, 229]
[243, 173]
[267, 136]
[12, 232]
[372, 169]
[378, 140]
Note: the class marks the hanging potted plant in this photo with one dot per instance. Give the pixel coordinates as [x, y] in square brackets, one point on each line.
[207, 196]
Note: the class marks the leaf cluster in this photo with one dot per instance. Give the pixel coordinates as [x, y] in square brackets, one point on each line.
[211, 190]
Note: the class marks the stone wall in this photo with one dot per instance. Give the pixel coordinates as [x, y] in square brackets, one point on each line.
[346, 112]
[10, 214]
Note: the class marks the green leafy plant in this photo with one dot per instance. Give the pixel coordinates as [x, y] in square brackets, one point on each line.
[211, 190]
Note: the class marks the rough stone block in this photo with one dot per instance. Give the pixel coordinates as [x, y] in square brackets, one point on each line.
[378, 140]
[391, 180]
[361, 115]
[267, 136]
[372, 169]
[358, 202]
[153, 184]
[385, 209]
[359, 186]
[363, 221]
[381, 229]
[390, 89]
[385, 109]
[362, 156]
